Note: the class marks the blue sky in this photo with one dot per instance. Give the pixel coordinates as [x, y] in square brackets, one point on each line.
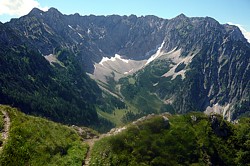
[234, 11]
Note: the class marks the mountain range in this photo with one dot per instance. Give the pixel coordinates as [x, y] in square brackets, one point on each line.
[151, 78]
[74, 69]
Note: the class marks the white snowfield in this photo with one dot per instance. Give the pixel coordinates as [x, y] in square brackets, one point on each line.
[116, 67]
[157, 54]
[119, 67]
[70, 27]
[117, 57]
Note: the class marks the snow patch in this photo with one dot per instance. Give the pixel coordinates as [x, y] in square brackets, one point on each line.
[117, 57]
[70, 27]
[80, 35]
[89, 31]
[157, 54]
[116, 67]
[156, 84]
[104, 59]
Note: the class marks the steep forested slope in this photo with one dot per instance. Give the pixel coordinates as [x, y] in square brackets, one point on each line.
[63, 93]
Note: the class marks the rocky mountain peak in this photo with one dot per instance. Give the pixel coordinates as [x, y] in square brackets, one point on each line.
[77, 15]
[234, 33]
[54, 12]
[35, 12]
[181, 16]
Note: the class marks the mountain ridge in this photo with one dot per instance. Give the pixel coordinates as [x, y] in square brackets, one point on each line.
[211, 69]
[138, 74]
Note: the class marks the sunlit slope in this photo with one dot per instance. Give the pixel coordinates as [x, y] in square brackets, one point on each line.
[191, 139]
[36, 141]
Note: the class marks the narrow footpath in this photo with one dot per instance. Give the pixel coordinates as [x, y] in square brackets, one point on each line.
[114, 131]
[5, 131]
[91, 143]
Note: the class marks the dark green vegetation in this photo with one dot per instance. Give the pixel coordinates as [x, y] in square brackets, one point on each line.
[146, 88]
[191, 139]
[61, 93]
[35, 141]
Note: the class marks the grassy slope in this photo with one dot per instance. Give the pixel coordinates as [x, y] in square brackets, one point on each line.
[146, 89]
[183, 142]
[118, 115]
[36, 141]
[139, 93]
[114, 117]
[1, 127]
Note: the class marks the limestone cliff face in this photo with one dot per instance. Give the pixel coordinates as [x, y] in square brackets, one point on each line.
[91, 37]
[218, 74]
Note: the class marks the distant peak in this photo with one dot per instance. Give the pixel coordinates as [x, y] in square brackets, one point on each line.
[133, 16]
[151, 17]
[210, 19]
[35, 11]
[54, 10]
[77, 14]
[181, 16]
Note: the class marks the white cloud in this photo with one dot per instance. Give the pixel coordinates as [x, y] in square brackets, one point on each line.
[18, 7]
[243, 30]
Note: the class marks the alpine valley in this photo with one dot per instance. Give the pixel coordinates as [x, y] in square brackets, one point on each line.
[108, 71]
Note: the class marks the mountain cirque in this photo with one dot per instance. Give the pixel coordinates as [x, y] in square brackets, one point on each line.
[206, 64]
